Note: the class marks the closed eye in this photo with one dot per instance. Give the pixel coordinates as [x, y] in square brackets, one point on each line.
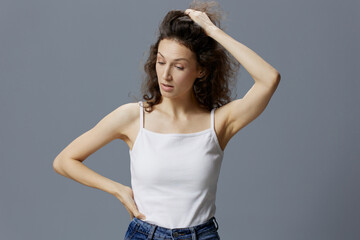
[180, 68]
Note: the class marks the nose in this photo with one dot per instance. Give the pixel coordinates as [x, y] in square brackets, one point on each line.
[166, 73]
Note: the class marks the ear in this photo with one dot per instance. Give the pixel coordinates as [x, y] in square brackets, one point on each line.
[201, 73]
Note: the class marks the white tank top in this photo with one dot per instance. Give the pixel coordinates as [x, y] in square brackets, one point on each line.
[174, 176]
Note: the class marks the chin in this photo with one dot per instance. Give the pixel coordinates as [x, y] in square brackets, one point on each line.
[168, 95]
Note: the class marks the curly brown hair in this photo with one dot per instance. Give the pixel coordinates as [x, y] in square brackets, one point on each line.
[214, 88]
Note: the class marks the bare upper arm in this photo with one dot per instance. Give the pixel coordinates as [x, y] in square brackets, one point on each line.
[112, 126]
[239, 113]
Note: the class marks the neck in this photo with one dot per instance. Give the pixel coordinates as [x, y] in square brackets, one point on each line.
[181, 106]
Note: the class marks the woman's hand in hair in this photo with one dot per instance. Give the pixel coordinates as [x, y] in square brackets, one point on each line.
[202, 19]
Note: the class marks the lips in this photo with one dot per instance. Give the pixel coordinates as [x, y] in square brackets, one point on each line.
[166, 85]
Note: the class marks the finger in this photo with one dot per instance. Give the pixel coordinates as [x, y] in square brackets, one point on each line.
[188, 11]
[136, 212]
[130, 213]
[139, 215]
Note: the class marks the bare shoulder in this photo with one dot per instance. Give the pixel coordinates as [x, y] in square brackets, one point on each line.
[124, 117]
[127, 111]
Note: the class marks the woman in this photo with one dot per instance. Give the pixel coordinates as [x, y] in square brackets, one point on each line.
[176, 138]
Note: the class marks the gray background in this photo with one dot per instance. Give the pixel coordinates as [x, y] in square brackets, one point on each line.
[293, 173]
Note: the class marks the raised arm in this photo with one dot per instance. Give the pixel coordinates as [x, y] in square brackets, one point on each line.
[238, 113]
[69, 161]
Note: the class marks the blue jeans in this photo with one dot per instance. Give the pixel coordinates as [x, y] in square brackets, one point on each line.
[140, 230]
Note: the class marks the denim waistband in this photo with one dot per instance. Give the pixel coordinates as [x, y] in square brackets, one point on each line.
[152, 229]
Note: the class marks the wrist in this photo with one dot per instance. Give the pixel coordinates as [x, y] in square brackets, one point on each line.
[212, 30]
[117, 189]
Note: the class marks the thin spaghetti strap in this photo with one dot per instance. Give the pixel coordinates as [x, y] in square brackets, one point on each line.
[212, 119]
[141, 114]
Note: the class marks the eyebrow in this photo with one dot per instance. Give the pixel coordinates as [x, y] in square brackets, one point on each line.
[177, 59]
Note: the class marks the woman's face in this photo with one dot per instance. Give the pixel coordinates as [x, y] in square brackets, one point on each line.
[176, 69]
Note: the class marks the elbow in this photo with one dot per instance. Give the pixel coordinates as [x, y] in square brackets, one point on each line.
[62, 164]
[272, 81]
[55, 165]
[276, 79]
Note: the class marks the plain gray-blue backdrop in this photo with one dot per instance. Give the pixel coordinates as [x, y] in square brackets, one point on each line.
[293, 173]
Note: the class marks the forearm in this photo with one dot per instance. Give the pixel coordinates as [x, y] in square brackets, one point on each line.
[258, 68]
[79, 172]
